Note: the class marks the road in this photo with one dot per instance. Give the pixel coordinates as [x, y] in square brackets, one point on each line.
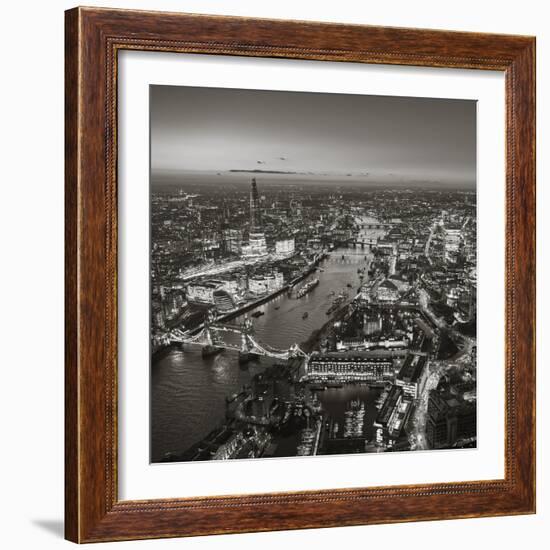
[417, 437]
[429, 242]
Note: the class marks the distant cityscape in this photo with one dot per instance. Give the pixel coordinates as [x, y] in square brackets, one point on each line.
[304, 318]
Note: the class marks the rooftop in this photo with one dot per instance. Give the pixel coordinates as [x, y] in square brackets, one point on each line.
[388, 406]
[354, 355]
[412, 368]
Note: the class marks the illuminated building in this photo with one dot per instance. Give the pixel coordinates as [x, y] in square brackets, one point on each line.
[392, 416]
[362, 343]
[372, 322]
[349, 367]
[229, 448]
[265, 284]
[387, 291]
[452, 297]
[452, 239]
[232, 240]
[284, 247]
[412, 375]
[203, 291]
[256, 245]
[255, 216]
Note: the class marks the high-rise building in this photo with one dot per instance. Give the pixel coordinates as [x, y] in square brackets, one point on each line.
[255, 216]
[232, 239]
[256, 245]
[450, 419]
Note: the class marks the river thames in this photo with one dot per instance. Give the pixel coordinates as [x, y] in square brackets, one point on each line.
[188, 392]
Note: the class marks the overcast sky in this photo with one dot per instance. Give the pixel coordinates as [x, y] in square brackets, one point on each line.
[381, 138]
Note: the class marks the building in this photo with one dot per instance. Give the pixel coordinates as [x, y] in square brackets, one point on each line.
[369, 344]
[392, 262]
[284, 247]
[452, 239]
[387, 291]
[450, 419]
[223, 300]
[452, 296]
[266, 284]
[228, 449]
[159, 320]
[202, 292]
[255, 214]
[232, 239]
[413, 375]
[372, 321]
[352, 366]
[314, 244]
[210, 245]
[256, 246]
[392, 417]
[365, 292]
[172, 304]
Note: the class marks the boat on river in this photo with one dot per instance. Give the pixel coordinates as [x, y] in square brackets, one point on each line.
[307, 288]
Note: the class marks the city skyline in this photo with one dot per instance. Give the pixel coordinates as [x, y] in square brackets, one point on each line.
[313, 309]
[209, 132]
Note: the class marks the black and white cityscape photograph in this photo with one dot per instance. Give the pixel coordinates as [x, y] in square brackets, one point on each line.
[313, 262]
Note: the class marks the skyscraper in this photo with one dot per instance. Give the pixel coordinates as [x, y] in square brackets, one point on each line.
[255, 219]
[256, 245]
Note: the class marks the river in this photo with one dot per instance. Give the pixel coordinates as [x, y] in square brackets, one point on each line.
[188, 392]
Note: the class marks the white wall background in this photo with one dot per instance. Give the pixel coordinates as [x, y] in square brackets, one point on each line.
[31, 270]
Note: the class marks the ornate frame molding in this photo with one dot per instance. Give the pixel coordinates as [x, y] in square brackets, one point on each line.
[93, 39]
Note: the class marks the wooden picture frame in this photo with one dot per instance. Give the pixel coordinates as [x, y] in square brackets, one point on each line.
[93, 511]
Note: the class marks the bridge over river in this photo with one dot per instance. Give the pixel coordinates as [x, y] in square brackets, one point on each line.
[188, 390]
[210, 338]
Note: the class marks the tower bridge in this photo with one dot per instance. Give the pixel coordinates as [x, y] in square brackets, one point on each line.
[211, 340]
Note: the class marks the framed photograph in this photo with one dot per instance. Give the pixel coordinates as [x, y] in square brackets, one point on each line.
[300, 275]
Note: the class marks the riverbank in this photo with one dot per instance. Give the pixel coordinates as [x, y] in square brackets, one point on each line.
[160, 351]
[189, 391]
[312, 343]
[249, 306]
